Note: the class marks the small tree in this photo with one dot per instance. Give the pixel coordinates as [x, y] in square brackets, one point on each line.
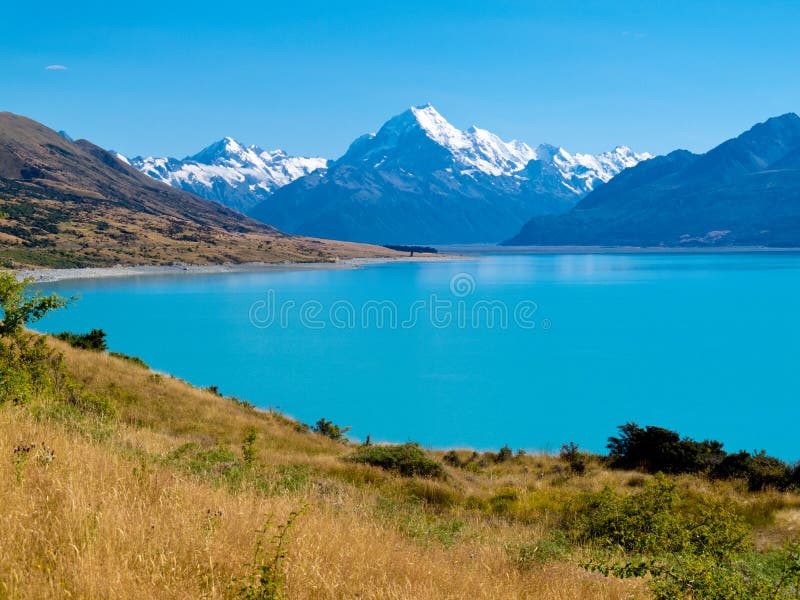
[572, 455]
[20, 307]
[331, 430]
[249, 452]
[25, 366]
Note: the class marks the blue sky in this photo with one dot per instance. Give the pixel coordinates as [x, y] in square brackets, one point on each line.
[309, 77]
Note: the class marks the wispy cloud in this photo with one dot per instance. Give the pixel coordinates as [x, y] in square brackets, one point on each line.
[634, 34]
[55, 68]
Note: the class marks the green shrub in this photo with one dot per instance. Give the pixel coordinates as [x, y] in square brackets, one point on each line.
[575, 459]
[331, 430]
[408, 460]
[503, 500]
[135, 360]
[657, 519]
[267, 580]
[655, 449]
[94, 340]
[249, 452]
[504, 455]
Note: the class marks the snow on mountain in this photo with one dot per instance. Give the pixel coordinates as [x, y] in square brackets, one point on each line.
[582, 172]
[480, 151]
[226, 171]
[419, 179]
[474, 150]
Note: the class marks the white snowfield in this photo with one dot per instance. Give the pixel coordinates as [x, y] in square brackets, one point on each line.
[241, 176]
[229, 164]
[479, 150]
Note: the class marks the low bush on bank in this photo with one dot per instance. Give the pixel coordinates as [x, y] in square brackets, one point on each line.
[658, 450]
[408, 460]
[94, 340]
[688, 546]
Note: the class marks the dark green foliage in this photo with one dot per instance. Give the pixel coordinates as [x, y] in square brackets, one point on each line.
[19, 307]
[408, 460]
[657, 519]
[131, 359]
[505, 454]
[29, 370]
[451, 458]
[575, 459]
[654, 449]
[412, 249]
[331, 430]
[689, 546]
[94, 340]
[759, 470]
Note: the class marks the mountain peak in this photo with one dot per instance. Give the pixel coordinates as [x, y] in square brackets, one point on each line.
[229, 172]
[221, 149]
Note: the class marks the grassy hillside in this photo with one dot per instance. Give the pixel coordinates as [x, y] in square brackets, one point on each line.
[72, 204]
[124, 483]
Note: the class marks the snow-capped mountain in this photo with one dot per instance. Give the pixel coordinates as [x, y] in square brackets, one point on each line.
[232, 174]
[744, 192]
[419, 179]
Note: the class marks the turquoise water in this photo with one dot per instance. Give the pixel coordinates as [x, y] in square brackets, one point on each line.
[704, 344]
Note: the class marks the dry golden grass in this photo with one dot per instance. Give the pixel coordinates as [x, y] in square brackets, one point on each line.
[104, 509]
[139, 238]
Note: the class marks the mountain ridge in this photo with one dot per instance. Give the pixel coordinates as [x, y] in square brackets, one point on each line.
[419, 179]
[745, 191]
[229, 172]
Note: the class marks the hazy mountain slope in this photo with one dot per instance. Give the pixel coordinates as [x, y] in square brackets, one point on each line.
[421, 180]
[746, 191]
[65, 203]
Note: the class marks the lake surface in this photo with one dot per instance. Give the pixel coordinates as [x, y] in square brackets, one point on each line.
[704, 344]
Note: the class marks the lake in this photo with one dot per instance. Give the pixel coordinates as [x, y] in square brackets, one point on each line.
[527, 350]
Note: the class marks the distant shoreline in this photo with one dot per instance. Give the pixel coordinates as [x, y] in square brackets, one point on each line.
[470, 249]
[54, 275]
[447, 252]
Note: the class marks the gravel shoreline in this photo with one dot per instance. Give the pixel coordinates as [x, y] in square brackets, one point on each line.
[53, 275]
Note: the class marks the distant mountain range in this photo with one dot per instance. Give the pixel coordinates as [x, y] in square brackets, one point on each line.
[417, 180]
[744, 192]
[421, 180]
[67, 203]
[228, 172]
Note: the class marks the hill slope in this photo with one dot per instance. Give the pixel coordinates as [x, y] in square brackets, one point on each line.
[65, 203]
[419, 180]
[744, 192]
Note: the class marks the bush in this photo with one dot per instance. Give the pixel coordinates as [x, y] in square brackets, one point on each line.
[408, 460]
[134, 360]
[505, 454]
[654, 449]
[94, 340]
[575, 459]
[657, 519]
[331, 430]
